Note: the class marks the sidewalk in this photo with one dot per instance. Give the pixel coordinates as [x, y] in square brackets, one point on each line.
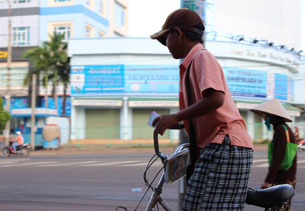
[120, 149]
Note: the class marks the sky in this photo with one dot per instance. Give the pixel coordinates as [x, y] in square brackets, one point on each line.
[147, 16]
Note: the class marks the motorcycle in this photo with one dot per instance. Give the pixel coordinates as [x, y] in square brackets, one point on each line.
[22, 150]
[300, 140]
[272, 199]
[301, 144]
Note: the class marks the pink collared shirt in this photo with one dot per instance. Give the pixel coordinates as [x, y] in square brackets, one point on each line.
[205, 73]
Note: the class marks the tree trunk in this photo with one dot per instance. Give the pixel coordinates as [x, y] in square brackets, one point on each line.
[46, 96]
[55, 95]
[55, 90]
[64, 101]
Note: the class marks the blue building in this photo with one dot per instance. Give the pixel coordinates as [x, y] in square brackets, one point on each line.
[31, 23]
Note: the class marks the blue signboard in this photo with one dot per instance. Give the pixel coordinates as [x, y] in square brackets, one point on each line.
[51, 104]
[19, 102]
[96, 79]
[246, 83]
[281, 86]
[152, 79]
[127, 79]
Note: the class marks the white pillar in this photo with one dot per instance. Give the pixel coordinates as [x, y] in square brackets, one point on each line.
[73, 123]
[173, 134]
[125, 121]
[251, 124]
[78, 119]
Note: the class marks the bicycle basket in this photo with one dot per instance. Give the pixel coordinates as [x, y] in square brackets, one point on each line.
[175, 166]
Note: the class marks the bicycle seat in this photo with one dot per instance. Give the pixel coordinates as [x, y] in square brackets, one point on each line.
[269, 197]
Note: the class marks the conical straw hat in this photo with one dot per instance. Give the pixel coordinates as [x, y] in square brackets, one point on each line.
[272, 107]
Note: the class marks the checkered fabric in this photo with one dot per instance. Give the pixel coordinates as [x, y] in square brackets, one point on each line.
[220, 178]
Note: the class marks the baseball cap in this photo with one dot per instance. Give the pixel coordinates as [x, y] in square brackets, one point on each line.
[185, 19]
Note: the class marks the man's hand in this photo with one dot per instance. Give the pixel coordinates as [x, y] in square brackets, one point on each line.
[266, 185]
[164, 122]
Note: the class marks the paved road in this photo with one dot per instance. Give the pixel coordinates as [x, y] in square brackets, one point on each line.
[98, 182]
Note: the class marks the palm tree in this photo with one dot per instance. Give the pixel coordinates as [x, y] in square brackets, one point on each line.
[4, 115]
[59, 65]
[39, 57]
[52, 61]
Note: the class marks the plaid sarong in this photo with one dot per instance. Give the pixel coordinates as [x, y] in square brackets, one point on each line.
[220, 178]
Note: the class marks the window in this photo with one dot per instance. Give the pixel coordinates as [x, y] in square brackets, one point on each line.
[62, 0]
[21, 1]
[63, 30]
[90, 4]
[102, 7]
[21, 36]
[101, 34]
[119, 15]
[89, 31]
[58, 3]
[65, 27]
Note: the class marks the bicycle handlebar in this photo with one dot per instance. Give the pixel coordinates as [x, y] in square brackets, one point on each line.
[156, 143]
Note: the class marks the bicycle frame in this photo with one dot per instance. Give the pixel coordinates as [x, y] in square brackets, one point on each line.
[157, 191]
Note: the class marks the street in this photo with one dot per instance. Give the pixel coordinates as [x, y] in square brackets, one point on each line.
[100, 182]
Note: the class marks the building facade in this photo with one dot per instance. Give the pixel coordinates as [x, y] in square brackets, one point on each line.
[32, 22]
[115, 88]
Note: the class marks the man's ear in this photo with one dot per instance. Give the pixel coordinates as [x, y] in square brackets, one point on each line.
[178, 31]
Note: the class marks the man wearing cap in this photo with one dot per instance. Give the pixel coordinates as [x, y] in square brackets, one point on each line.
[19, 140]
[275, 114]
[223, 148]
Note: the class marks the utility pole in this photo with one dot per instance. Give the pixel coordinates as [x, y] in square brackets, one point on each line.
[33, 117]
[9, 60]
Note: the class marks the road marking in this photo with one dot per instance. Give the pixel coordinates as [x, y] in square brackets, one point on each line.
[112, 163]
[258, 163]
[26, 164]
[135, 164]
[71, 163]
[261, 165]
[260, 160]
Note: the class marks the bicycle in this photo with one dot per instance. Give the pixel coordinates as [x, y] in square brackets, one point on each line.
[272, 199]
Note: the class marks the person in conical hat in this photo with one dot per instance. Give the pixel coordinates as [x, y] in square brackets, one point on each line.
[273, 107]
[275, 114]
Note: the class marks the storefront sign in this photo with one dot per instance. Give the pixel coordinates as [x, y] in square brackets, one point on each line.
[124, 79]
[3, 54]
[267, 55]
[246, 83]
[38, 112]
[153, 104]
[116, 103]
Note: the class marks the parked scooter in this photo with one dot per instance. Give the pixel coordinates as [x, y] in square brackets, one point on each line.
[23, 150]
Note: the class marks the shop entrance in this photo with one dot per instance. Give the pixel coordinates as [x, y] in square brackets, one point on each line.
[102, 123]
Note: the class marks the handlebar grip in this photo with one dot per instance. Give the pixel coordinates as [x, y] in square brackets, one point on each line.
[156, 142]
[156, 146]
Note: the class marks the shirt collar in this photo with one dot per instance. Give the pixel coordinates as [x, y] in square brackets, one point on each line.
[186, 61]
